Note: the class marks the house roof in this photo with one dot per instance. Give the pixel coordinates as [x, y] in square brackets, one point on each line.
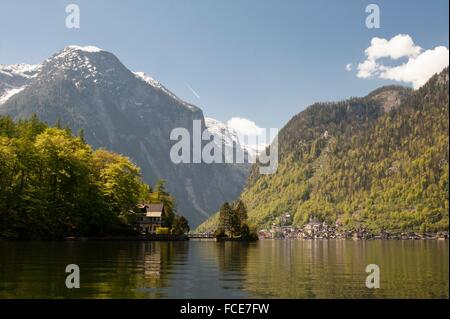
[154, 210]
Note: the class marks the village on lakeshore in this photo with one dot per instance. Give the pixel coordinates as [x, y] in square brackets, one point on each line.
[315, 229]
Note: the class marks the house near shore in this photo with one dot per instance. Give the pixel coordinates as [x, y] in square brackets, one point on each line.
[314, 227]
[149, 217]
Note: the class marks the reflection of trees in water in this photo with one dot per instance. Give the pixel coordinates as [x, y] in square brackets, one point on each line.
[268, 268]
[275, 268]
[156, 267]
[232, 256]
[336, 269]
[21, 263]
[304, 269]
[232, 259]
[107, 269]
[147, 269]
[126, 269]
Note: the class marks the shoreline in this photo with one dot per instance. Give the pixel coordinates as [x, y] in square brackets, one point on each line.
[106, 238]
[185, 238]
[131, 238]
[359, 239]
[317, 230]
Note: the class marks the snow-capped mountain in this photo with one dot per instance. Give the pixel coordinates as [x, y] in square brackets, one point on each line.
[130, 113]
[154, 83]
[231, 139]
[14, 78]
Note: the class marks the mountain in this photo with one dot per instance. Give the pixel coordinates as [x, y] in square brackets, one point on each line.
[13, 79]
[129, 113]
[380, 161]
[230, 138]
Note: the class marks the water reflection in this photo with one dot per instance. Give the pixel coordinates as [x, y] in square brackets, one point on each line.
[271, 268]
[336, 269]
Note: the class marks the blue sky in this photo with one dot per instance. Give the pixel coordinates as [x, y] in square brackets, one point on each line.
[261, 60]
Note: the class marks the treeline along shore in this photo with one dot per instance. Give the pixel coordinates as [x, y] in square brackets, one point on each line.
[53, 186]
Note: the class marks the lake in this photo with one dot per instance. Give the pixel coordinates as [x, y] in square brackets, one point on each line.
[205, 269]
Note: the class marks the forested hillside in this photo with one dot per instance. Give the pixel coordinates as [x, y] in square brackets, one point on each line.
[52, 184]
[380, 162]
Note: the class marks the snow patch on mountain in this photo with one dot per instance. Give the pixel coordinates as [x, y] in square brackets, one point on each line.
[231, 138]
[157, 85]
[71, 59]
[88, 48]
[14, 78]
[21, 69]
[148, 79]
[5, 97]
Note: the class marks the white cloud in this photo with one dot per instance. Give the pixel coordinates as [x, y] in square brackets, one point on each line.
[420, 66]
[367, 69]
[244, 126]
[254, 138]
[349, 67]
[402, 45]
[418, 70]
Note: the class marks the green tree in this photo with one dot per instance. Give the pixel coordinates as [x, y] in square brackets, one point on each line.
[230, 219]
[53, 185]
[224, 219]
[241, 211]
[120, 180]
[180, 225]
[160, 195]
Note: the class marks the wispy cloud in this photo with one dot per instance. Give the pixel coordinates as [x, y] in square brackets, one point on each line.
[193, 91]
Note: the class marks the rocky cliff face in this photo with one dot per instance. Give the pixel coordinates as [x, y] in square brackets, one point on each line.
[129, 113]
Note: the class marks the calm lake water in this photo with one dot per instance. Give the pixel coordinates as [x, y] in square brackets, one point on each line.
[196, 269]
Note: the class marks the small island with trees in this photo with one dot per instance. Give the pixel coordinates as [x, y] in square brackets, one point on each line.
[233, 225]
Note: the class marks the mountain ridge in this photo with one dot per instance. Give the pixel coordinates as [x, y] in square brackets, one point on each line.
[90, 89]
[379, 162]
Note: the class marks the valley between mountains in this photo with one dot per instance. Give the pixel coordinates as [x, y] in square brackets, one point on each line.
[379, 161]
